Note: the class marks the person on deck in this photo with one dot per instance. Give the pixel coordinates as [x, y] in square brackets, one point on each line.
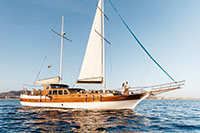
[124, 89]
[127, 88]
[26, 91]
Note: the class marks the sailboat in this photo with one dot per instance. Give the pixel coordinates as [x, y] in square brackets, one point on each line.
[57, 95]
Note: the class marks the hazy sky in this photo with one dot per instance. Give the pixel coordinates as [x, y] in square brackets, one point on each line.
[169, 29]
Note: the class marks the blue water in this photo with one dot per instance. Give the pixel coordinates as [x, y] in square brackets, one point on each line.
[148, 116]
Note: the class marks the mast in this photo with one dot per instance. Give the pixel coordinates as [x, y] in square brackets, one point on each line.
[61, 48]
[103, 45]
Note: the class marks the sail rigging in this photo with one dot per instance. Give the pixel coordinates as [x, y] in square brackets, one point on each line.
[57, 79]
[92, 70]
[140, 44]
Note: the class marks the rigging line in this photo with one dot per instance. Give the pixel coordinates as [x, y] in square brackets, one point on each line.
[145, 72]
[40, 70]
[67, 55]
[110, 67]
[139, 42]
[109, 55]
[45, 57]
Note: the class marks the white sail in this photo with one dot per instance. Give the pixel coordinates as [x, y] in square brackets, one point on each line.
[92, 67]
[53, 80]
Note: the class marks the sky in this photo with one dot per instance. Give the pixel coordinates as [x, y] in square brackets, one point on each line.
[168, 29]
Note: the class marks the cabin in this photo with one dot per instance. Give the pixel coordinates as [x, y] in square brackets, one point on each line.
[60, 90]
[56, 89]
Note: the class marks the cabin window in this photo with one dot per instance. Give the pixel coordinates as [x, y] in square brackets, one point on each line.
[59, 86]
[54, 92]
[65, 92]
[50, 93]
[60, 92]
[73, 91]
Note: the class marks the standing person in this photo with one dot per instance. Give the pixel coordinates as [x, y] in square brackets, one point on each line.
[127, 88]
[124, 89]
[26, 91]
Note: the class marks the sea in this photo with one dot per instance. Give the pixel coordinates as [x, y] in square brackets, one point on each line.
[148, 116]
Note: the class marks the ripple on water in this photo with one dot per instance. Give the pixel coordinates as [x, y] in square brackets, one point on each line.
[152, 115]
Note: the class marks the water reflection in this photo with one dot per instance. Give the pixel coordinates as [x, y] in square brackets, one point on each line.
[156, 116]
[47, 119]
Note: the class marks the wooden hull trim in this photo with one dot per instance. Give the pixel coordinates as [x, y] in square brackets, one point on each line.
[124, 104]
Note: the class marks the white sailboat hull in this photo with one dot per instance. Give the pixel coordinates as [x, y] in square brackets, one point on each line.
[125, 104]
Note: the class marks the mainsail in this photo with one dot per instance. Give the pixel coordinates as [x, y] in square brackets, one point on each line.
[92, 67]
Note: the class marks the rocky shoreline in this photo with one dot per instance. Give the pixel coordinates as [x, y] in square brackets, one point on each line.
[10, 95]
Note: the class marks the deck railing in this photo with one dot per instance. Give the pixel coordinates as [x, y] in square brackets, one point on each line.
[154, 89]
